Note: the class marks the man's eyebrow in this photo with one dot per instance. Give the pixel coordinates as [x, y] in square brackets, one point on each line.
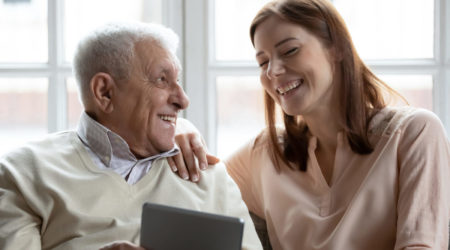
[279, 44]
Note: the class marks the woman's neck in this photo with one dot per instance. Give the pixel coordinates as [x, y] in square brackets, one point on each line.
[324, 125]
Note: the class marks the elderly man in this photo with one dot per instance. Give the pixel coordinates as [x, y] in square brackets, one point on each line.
[85, 189]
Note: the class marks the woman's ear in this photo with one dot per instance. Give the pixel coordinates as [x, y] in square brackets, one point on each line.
[102, 87]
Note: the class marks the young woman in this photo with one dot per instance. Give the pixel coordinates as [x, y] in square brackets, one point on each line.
[346, 171]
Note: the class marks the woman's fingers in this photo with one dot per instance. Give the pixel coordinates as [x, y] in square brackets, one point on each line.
[172, 164]
[192, 157]
[211, 159]
[185, 145]
[199, 150]
[178, 164]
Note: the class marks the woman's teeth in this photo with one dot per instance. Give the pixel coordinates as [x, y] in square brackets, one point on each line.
[290, 86]
[168, 118]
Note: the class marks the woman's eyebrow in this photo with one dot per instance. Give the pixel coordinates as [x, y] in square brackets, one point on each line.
[284, 41]
[278, 44]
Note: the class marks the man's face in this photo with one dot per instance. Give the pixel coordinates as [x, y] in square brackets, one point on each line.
[146, 104]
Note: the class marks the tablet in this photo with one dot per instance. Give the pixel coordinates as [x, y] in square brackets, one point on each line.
[171, 228]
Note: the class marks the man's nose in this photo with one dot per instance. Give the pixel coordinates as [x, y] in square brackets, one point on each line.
[275, 68]
[179, 98]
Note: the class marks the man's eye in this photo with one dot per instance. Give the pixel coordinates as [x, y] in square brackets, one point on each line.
[160, 82]
[161, 79]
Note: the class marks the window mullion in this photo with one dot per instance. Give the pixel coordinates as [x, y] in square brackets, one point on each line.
[439, 47]
[445, 64]
[52, 94]
[441, 83]
[196, 65]
[173, 17]
[56, 88]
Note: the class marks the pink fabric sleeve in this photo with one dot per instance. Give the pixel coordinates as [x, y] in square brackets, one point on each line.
[242, 167]
[423, 194]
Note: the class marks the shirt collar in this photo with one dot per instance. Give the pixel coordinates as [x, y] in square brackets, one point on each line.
[108, 145]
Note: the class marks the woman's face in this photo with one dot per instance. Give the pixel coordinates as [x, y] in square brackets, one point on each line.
[296, 69]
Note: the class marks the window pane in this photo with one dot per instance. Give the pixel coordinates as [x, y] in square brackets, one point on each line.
[23, 111]
[232, 39]
[390, 29]
[74, 107]
[240, 109]
[81, 16]
[417, 89]
[23, 26]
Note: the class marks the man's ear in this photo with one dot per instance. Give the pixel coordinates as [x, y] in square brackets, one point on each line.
[102, 87]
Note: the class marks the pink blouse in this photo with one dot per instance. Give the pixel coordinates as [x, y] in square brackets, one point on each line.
[394, 198]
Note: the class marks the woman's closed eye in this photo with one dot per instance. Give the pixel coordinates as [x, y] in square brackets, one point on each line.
[290, 51]
[261, 64]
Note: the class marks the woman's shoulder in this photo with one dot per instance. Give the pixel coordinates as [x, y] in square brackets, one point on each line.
[254, 147]
[404, 119]
[262, 140]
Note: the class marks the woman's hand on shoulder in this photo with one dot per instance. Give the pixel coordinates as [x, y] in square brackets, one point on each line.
[193, 154]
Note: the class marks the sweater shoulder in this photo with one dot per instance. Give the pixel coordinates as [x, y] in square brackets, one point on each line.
[45, 145]
[215, 172]
[53, 147]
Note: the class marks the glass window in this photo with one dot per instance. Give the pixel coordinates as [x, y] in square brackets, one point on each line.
[24, 32]
[240, 111]
[416, 89]
[232, 39]
[81, 16]
[23, 111]
[387, 29]
[74, 107]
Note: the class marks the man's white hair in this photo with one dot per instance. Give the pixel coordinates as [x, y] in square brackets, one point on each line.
[111, 49]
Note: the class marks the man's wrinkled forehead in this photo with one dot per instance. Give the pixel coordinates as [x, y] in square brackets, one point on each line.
[151, 54]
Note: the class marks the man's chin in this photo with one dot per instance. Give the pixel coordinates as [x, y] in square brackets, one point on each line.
[164, 147]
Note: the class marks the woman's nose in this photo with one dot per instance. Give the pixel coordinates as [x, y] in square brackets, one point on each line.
[275, 68]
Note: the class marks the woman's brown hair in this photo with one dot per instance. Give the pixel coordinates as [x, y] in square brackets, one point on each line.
[359, 90]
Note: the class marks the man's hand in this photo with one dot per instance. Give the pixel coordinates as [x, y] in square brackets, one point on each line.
[193, 155]
[121, 245]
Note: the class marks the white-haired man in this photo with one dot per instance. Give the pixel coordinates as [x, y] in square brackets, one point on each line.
[85, 189]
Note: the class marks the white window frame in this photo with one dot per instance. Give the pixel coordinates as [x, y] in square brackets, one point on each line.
[201, 68]
[193, 21]
[57, 70]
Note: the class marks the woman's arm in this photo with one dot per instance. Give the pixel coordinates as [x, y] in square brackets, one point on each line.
[423, 201]
[261, 230]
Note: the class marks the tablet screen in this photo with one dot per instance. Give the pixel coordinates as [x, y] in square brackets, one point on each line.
[169, 228]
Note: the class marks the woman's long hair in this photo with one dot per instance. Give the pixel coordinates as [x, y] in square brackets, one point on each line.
[359, 91]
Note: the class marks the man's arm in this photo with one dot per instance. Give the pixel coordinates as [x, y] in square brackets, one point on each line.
[121, 245]
[19, 226]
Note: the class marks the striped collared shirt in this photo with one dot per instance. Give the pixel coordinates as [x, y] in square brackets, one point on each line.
[109, 151]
